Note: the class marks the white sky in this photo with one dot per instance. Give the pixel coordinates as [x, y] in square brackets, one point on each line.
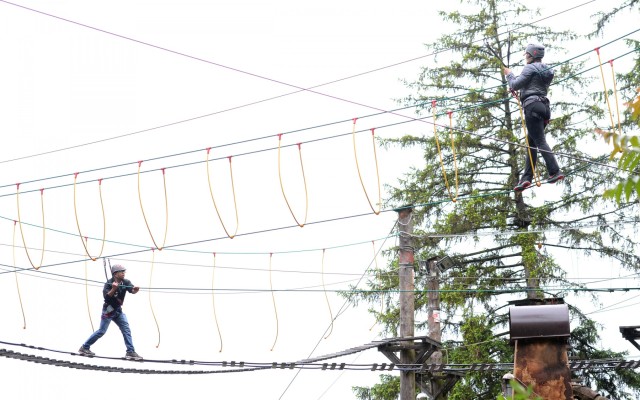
[64, 85]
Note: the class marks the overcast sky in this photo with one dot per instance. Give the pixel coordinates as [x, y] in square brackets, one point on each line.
[174, 91]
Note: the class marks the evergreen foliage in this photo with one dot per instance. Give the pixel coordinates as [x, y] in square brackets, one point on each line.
[469, 80]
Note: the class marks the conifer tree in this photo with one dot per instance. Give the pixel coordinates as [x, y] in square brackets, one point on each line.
[505, 248]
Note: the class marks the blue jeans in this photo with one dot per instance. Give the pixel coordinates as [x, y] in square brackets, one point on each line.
[535, 114]
[119, 319]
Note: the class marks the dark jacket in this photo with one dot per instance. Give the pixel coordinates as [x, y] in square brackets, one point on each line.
[118, 298]
[534, 81]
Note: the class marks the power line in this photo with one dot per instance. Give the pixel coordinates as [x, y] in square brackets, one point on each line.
[300, 89]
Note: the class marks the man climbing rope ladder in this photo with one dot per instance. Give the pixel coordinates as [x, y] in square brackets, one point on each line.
[533, 84]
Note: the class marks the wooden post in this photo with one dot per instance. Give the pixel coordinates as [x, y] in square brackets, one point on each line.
[407, 300]
[433, 320]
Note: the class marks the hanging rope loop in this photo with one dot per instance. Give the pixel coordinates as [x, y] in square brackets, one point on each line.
[166, 207]
[104, 219]
[375, 155]
[22, 232]
[235, 204]
[304, 180]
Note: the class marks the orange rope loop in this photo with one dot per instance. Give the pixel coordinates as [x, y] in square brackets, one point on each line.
[233, 189]
[86, 285]
[43, 227]
[213, 300]
[153, 256]
[536, 173]
[326, 297]
[15, 271]
[604, 84]
[273, 298]
[166, 206]
[375, 155]
[104, 219]
[375, 259]
[304, 179]
[453, 149]
[615, 94]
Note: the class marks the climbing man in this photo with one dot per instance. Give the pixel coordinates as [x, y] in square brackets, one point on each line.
[533, 84]
[113, 292]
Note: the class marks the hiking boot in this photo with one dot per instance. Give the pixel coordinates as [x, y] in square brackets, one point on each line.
[558, 176]
[522, 185]
[132, 355]
[83, 351]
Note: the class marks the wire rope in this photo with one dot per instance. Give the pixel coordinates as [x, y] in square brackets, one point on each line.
[304, 179]
[104, 220]
[153, 256]
[604, 84]
[233, 190]
[326, 296]
[43, 227]
[378, 277]
[355, 153]
[86, 291]
[255, 102]
[15, 272]
[273, 299]
[166, 207]
[213, 300]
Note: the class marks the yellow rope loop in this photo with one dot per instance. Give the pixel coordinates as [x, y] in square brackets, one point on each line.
[21, 231]
[444, 172]
[326, 297]
[213, 300]
[104, 219]
[375, 155]
[166, 207]
[273, 298]
[453, 150]
[615, 94]
[153, 257]
[15, 272]
[536, 173]
[86, 286]
[604, 84]
[233, 189]
[304, 179]
[375, 259]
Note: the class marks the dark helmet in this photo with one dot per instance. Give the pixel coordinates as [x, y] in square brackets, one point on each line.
[535, 50]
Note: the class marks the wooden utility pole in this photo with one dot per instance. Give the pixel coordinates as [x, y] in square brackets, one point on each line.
[433, 321]
[407, 300]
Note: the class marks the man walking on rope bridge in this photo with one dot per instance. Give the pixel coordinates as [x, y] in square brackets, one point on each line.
[533, 84]
[113, 292]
